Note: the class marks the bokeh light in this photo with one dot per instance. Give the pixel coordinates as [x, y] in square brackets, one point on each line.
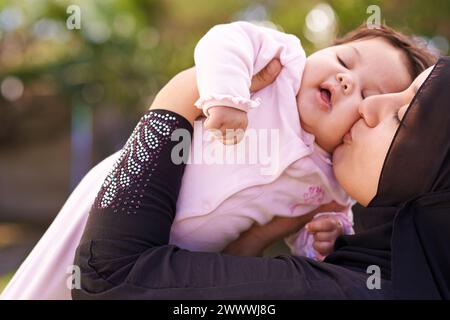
[11, 18]
[12, 88]
[320, 25]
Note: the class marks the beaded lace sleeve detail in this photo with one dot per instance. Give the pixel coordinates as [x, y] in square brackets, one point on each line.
[123, 188]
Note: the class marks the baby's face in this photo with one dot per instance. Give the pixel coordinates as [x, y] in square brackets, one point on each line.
[338, 78]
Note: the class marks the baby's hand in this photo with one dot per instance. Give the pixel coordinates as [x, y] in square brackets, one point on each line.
[325, 230]
[229, 123]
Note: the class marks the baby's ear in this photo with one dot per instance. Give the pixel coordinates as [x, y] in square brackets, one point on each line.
[266, 76]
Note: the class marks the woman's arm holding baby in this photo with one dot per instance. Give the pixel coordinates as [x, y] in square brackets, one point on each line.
[255, 240]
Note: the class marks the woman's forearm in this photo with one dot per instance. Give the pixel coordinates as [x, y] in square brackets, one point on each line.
[135, 208]
[255, 240]
[179, 96]
[124, 251]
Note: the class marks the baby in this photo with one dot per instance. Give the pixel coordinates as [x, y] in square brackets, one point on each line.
[307, 111]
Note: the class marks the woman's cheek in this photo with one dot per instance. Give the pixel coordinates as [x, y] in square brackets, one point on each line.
[377, 147]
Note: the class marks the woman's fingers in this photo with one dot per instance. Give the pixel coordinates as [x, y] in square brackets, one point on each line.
[266, 76]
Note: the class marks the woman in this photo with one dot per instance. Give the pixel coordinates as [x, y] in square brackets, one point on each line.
[403, 178]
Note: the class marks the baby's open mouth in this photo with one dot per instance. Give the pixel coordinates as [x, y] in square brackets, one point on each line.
[324, 97]
[325, 94]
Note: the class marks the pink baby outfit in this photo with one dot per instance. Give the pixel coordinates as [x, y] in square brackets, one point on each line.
[217, 200]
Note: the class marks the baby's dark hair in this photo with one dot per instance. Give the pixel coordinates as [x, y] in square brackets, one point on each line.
[418, 58]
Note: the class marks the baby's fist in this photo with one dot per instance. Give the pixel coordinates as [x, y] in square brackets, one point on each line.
[325, 230]
[228, 123]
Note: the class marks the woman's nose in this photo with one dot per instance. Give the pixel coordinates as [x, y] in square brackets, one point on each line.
[345, 82]
[375, 108]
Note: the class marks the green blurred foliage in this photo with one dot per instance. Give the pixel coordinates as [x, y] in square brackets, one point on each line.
[4, 281]
[127, 49]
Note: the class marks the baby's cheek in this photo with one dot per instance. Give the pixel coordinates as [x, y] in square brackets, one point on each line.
[345, 120]
[334, 133]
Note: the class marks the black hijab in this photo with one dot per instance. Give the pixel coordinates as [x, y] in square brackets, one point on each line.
[415, 180]
[405, 229]
[417, 162]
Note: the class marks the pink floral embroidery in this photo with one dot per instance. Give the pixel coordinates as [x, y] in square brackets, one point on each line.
[314, 195]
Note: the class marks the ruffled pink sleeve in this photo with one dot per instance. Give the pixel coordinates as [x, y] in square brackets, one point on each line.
[227, 57]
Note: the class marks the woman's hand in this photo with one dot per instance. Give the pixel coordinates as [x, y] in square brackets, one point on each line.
[255, 240]
[181, 92]
[325, 231]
